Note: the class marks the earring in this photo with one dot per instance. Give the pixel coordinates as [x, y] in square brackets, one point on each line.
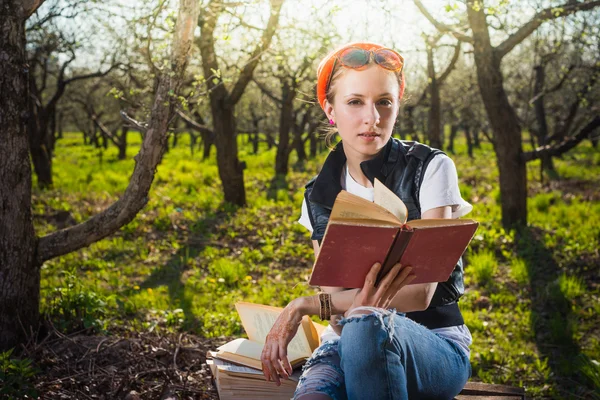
[331, 122]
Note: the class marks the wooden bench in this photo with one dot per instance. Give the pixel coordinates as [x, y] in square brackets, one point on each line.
[485, 391]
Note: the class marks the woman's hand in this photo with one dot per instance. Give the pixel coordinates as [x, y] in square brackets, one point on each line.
[390, 285]
[274, 355]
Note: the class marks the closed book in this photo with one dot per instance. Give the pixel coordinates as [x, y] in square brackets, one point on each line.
[361, 233]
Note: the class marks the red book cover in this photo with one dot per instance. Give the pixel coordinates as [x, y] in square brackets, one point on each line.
[348, 252]
[434, 251]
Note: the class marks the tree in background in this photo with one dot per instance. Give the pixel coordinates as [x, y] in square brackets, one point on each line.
[21, 251]
[502, 116]
[50, 53]
[432, 91]
[223, 100]
[287, 80]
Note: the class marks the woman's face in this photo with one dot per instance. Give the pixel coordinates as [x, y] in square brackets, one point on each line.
[364, 110]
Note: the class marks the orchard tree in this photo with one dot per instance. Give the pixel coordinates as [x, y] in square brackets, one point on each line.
[22, 253]
[223, 100]
[50, 54]
[501, 114]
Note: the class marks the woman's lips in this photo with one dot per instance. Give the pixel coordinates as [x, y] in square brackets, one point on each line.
[369, 136]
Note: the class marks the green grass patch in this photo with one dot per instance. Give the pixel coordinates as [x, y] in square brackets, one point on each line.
[187, 257]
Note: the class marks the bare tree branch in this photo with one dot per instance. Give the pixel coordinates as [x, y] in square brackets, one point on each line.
[193, 124]
[268, 92]
[30, 6]
[556, 87]
[62, 83]
[246, 73]
[566, 145]
[443, 28]
[133, 123]
[450, 66]
[153, 147]
[545, 15]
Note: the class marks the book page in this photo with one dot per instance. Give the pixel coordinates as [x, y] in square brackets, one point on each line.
[248, 349]
[438, 222]
[390, 201]
[349, 206]
[258, 320]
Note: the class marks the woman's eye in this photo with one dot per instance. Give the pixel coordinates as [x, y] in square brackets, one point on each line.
[385, 102]
[354, 102]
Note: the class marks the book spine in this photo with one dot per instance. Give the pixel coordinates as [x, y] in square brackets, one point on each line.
[395, 253]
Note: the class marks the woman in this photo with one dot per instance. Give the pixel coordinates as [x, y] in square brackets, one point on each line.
[370, 351]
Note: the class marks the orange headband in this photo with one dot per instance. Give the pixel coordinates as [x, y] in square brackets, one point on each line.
[326, 65]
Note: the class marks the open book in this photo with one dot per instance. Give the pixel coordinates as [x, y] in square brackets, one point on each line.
[361, 233]
[257, 321]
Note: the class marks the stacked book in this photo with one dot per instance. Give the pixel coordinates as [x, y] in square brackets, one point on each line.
[236, 365]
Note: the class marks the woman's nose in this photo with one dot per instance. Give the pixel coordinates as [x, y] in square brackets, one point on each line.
[372, 116]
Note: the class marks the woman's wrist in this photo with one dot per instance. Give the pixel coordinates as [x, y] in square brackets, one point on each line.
[307, 305]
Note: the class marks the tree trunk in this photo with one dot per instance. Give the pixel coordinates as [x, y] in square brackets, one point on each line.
[313, 142]
[453, 131]
[123, 143]
[476, 141]
[270, 140]
[231, 171]
[222, 103]
[41, 152]
[207, 142]
[104, 140]
[19, 272]
[299, 147]
[503, 120]
[286, 118]
[59, 126]
[547, 165]
[21, 253]
[435, 108]
[193, 140]
[469, 140]
[255, 138]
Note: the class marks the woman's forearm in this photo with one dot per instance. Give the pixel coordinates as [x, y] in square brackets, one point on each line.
[409, 298]
[340, 303]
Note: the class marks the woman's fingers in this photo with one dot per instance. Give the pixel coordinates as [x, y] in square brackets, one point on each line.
[395, 279]
[371, 278]
[266, 362]
[393, 291]
[276, 358]
[269, 367]
[285, 362]
[404, 275]
[388, 279]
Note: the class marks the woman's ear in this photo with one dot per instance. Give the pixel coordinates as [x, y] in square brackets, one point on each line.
[328, 108]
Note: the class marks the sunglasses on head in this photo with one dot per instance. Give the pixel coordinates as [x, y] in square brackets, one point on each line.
[356, 57]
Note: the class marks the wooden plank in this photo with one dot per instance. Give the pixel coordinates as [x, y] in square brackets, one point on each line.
[476, 397]
[482, 391]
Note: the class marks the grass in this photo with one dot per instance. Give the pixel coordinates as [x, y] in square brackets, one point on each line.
[531, 300]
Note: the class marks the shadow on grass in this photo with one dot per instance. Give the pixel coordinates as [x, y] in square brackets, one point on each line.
[277, 183]
[552, 319]
[171, 273]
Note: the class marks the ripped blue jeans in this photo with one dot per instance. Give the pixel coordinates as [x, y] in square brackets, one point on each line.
[384, 355]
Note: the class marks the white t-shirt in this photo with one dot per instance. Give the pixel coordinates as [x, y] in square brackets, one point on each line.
[439, 188]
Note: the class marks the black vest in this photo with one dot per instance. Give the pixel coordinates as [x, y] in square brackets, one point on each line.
[400, 166]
